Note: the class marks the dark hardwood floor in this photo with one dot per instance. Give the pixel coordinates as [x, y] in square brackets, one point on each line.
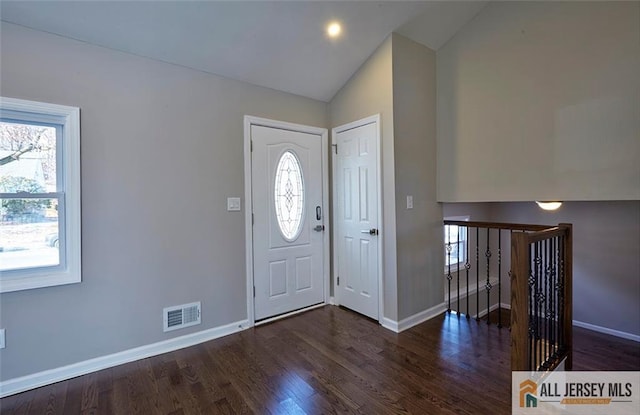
[328, 360]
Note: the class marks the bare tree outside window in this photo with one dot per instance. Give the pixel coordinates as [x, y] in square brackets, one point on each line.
[29, 141]
[28, 212]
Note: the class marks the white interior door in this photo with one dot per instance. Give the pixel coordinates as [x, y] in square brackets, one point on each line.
[356, 212]
[288, 220]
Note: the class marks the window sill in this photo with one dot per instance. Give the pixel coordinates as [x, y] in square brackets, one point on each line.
[28, 282]
[454, 268]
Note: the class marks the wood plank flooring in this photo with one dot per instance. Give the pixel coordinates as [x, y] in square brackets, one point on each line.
[328, 360]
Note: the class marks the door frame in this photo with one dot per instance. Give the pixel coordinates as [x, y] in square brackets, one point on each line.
[373, 119]
[249, 121]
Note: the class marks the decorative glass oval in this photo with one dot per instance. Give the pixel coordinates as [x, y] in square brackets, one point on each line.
[289, 195]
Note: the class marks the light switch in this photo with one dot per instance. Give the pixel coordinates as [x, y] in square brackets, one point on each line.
[233, 204]
[409, 202]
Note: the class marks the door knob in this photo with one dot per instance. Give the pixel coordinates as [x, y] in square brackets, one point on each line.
[319, 228]
[372, 231]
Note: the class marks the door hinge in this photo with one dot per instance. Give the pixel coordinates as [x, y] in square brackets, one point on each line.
[251, 145]
[338, 280]
[254, 291]
[335, 147]
[253, 219]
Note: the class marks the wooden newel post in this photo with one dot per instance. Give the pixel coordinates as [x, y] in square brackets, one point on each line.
[520, 263]
[568, 292]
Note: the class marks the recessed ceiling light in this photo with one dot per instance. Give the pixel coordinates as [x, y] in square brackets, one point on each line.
[334, 29]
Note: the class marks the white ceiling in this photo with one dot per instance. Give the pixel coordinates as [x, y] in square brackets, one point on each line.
[279, 45]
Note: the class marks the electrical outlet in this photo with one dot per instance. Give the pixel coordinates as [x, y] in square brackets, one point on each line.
[2, 342]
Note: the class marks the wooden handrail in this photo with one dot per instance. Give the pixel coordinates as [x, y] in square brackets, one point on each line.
[545, 234]
[499, 225]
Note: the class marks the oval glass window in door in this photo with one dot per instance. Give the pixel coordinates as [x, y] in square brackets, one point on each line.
[289, 195]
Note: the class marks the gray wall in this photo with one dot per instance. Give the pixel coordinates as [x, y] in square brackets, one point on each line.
[541, 101]
[398, 81]
[162, 149]
[418, 230]
[475, 211]
[369, 92]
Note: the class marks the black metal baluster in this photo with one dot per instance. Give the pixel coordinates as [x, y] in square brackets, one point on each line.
[477, 274]
[499, 278]
[537, 305]
[543, 290]
[561, 338]
[555, 294]
[531, 313]
[549, 244]
[458, 270]
[552, 298]
[543, 302]
[547, 308]
[487, 285]
[467, 265]
[448, 248]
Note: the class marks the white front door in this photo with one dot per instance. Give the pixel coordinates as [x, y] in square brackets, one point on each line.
[288, 219]
[356, 213]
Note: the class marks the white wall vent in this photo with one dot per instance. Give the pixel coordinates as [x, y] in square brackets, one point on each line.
[181, 316]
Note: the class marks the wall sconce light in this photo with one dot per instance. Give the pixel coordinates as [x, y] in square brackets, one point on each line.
[549, 205]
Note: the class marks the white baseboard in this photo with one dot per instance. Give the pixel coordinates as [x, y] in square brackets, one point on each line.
[414, 320]
[47, 377]
[473, 289]
[389, 324]
[493, 308]
[605, 330]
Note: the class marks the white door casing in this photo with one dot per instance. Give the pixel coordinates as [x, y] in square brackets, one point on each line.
[357, 213]
[287, 265]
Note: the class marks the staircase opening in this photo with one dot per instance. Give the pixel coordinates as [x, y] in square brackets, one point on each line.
[519, 277]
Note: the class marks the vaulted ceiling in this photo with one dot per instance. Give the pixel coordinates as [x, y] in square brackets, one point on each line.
[276, 44]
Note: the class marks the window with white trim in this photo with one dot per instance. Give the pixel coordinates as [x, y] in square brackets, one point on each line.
[455, 244]
[39, 195]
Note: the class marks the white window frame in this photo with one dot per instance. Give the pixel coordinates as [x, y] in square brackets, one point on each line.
[459, 265]
[69, 270]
